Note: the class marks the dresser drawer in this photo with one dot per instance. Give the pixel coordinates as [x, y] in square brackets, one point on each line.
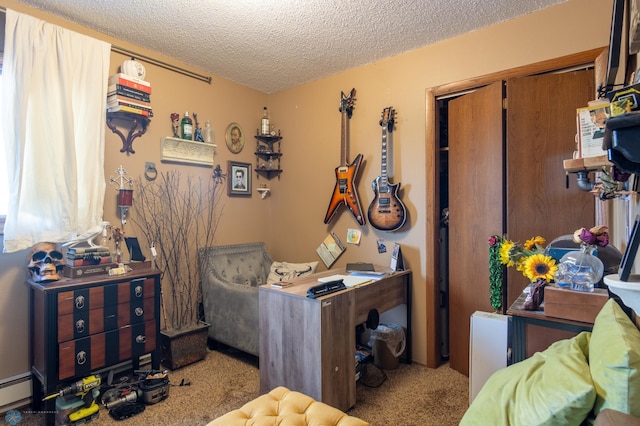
[80, 357]
[89, 311]
[84, 299]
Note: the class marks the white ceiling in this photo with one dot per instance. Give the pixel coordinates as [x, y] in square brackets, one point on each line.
[270, 45]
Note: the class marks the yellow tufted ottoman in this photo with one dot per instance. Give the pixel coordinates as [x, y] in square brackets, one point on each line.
[286, 408]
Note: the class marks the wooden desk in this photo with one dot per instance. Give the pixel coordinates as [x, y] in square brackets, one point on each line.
[533, 331]
[308, 345]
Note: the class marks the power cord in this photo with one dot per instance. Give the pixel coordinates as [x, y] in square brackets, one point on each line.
[182, 383]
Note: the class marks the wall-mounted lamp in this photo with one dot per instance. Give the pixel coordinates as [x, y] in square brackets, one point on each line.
[125, 196]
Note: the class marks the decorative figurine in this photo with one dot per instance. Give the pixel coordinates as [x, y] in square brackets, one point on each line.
[175, 124]
[218, 176]
[197, 135]
[46, 262]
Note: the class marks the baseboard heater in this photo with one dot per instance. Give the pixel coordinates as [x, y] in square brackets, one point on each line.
[15, 392]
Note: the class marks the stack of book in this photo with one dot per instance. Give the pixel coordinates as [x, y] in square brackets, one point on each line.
[85, 261]
[129, 94]
[85, 256]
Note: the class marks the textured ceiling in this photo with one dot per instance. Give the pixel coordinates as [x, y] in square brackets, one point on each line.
[270, 45]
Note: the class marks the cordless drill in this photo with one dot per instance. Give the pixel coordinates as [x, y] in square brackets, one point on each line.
[87, 390]
[80, 388]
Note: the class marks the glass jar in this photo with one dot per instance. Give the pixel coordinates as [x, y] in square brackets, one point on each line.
[579, 270]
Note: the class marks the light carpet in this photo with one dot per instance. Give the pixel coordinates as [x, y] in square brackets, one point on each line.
[227, 379]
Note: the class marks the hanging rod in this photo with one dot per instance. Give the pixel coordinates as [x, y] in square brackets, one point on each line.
[150, 60]
[160, 64]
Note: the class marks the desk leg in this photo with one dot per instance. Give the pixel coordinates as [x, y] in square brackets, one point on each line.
[518, 340]
[408, 337]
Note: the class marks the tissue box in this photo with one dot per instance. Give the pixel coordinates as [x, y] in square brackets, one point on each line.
[574, 305]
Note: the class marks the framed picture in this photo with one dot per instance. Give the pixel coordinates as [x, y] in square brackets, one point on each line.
[234, 136]
[239, 179]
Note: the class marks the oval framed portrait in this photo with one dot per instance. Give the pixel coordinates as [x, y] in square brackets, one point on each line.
[234, 136]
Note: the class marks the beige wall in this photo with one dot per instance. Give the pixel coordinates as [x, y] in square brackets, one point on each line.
[291, 220]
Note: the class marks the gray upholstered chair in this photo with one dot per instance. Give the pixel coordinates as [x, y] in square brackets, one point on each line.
[230, 277]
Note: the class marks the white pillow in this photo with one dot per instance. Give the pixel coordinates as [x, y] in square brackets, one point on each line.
[285, 271]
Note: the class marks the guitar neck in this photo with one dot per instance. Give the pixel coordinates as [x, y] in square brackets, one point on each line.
[344, 139]
[383, 172]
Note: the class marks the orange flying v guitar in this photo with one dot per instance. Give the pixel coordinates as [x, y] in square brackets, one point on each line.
[345, 191]
[386, 211]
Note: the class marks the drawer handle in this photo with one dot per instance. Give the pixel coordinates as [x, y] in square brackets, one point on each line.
[139, 312]
[80, 302]
[80, 326]
[81, 357]
[138, 291]
[141, 339]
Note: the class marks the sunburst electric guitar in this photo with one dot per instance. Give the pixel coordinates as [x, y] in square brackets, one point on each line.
[344, 192]
[386, 211]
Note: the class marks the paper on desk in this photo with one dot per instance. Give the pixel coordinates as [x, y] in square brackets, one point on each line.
[348, 280]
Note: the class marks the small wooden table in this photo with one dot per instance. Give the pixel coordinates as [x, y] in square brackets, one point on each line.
[533, 331]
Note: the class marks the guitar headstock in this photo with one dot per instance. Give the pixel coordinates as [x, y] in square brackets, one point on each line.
[388, 118]
[346, 102]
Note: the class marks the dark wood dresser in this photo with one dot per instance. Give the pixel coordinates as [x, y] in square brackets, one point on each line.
[81, 326]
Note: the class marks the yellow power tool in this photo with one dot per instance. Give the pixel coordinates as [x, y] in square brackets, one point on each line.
[84, 389]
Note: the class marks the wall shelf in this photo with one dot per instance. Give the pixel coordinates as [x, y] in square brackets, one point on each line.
[575, 165]
[132, 120]
[267, 157]
[176, 150]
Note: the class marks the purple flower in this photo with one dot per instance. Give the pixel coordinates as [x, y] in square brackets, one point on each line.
[494, 240]
[588, 237]
[602, 240]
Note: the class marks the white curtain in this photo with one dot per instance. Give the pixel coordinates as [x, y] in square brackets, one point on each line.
[53, 110]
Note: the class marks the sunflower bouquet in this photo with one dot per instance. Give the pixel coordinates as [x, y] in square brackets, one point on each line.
[528, 258]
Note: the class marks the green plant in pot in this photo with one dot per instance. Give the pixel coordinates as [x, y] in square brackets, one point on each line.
[178, 217]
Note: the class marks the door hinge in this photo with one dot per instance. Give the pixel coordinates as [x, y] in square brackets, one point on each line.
[504, 103]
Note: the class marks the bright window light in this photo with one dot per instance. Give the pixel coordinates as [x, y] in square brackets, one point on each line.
[4, 187]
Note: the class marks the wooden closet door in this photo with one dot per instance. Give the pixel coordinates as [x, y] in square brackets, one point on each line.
[475, 208]
[517, 187]
[541, 129]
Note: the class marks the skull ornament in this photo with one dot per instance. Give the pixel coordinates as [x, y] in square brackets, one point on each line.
[45, 262]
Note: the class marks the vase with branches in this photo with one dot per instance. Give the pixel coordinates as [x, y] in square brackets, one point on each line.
[178, 217]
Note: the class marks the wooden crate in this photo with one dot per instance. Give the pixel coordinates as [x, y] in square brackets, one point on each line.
[574, 305]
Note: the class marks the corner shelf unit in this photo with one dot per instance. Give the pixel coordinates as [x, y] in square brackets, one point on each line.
[268, 148]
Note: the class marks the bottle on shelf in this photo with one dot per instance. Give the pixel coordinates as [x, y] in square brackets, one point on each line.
[208, 132]
[186, 127]
[270, 164]
[265, 128]
[104, 241]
